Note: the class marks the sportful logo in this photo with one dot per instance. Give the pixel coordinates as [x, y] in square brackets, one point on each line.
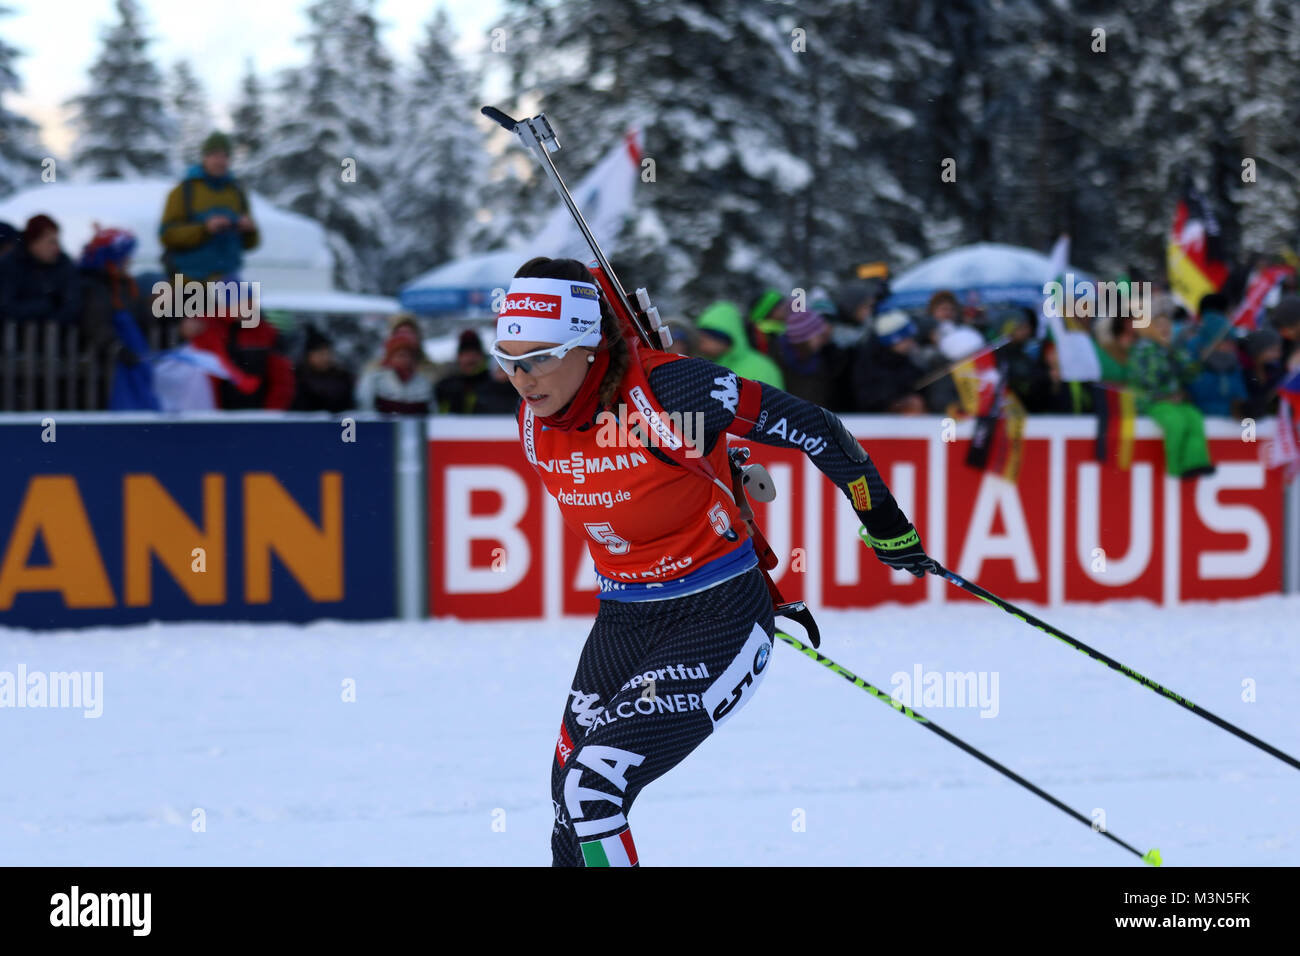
[537, 304]
[673, 672]
[576, 464]
[728, 391]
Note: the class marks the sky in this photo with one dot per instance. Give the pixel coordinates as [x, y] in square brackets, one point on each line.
[61, 38]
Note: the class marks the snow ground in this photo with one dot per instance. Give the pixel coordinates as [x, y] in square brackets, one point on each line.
[444, 756]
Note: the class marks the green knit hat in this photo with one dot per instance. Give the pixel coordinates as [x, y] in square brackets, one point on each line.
[217, 142]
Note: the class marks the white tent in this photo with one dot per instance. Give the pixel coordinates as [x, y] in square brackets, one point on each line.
[293, 261]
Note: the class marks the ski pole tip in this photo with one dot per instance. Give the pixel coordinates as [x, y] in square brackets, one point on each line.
[1152, 856]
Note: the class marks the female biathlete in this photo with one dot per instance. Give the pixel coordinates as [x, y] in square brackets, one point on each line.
[684, 632]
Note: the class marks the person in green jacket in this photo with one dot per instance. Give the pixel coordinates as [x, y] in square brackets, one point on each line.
[1160, 372]
[724, 339]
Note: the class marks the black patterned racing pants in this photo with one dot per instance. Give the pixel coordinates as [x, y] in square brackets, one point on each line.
[654, 679]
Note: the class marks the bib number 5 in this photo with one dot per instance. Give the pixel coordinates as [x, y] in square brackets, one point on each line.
[603, 533]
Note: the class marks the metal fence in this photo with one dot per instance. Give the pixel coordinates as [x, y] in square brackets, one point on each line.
[50, 366]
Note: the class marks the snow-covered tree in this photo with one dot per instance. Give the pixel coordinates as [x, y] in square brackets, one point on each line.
[20, 156]
[1267, 126]
[708, 84]
[328, 159]
[122, 119]
[439, 162]
[191, 113]
[864, 76]
[249, 122]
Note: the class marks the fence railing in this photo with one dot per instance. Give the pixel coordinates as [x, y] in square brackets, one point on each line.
[51, 366]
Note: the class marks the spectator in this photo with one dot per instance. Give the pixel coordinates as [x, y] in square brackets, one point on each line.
[206, 223]
[1264, 372]
[1284, 318]
[398, 385]
[114, 314]
[425, 366]
[884, 372]
[9, 237]
[1220, 388]
[1159, 373]
[811, 365]
[1028, 374]
[475, 388]
[1114, 355]
[767, 318]
[722, 338]
[321, 384]
[1058, 397]
[257, 353]
[956, 353]
[186, 378]
[38, 282]
[857, 305]
[942, 315]
[683, 337]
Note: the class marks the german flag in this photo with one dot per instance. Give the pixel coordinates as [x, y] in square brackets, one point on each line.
[1194, 257]
[1116, 421]
[977, 380]
[1009, 439]
[998, 441]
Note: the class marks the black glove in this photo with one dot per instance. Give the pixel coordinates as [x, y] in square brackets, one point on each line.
[902, 551]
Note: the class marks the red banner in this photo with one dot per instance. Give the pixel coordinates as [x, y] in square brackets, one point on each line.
[1071, 529]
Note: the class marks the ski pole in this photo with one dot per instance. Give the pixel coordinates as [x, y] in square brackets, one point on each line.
[987, 596]
[1151, 856]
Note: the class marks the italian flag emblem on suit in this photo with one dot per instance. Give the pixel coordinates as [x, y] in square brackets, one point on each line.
[616, 850]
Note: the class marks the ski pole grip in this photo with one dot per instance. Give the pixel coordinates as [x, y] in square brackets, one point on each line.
[496, 116]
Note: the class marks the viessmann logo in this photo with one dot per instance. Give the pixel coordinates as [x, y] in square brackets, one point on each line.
[539, 304]
[580, 466]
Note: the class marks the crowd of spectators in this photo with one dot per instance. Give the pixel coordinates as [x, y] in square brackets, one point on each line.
[850, 352]
[846, 353]
[221, 361]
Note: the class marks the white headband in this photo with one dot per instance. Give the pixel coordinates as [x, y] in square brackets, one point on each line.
[550, 310]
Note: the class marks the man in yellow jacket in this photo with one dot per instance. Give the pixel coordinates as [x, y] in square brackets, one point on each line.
[206, 225]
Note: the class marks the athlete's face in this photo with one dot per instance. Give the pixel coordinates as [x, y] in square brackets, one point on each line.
[547, 394]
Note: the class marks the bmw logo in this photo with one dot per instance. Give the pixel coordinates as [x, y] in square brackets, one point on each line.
[760, 659]
[514, 328]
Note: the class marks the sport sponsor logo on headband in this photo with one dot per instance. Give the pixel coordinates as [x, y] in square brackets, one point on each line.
[550, 310]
